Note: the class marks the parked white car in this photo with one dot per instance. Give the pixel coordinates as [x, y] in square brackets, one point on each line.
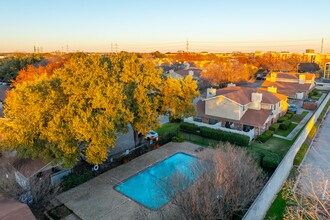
[152, 135]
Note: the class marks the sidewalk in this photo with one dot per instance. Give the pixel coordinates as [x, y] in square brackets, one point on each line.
[296, 130]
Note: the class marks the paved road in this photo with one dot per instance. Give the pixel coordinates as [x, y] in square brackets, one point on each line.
[315, 169]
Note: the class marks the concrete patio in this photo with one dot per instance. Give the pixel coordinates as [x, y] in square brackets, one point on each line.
[96, 199]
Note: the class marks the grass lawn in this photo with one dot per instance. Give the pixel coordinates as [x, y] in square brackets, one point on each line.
[199, 140]
[298, 117]
[276, 145]
[315, 97]
[167, 127]
[285, 133]
[277, 210]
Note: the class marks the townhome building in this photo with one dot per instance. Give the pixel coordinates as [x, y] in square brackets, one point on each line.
[241, 109]
[292, 84]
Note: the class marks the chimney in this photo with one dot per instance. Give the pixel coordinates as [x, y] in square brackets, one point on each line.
[302, 78]
[256, 100]
[231, 85]
[273, 77]
[272, 89]
[210, 92]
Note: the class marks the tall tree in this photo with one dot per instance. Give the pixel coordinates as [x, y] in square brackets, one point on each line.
[85, 104]
[228, 72]
[31, 72]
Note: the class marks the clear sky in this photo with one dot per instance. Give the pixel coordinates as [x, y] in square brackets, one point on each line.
[164, 25]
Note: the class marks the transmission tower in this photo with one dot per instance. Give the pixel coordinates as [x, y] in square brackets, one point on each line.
[322, 46]
[187, 45]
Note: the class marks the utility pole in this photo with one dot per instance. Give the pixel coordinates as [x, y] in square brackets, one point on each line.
[322, 45]
[187, 46]
[116, 47]
[34, 49]
[111, 48]
[67, 48]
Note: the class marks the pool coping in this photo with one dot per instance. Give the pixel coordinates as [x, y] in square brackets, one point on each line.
[151, 165]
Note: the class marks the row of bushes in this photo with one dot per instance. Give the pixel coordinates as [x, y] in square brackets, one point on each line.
[74, 179]
[266, 159]
[285, 125]
[266, 136]
[216, 134]
[189, 127]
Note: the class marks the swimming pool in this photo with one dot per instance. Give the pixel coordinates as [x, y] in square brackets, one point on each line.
[150, 187]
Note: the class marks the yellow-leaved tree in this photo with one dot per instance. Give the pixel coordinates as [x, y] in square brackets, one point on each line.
[85, 104]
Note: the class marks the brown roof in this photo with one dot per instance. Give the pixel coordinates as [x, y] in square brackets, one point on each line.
[186, 72]
[11, 209]
[26, 166]
[287, 88]
[255, 118]
[242, 95]
[294, 75]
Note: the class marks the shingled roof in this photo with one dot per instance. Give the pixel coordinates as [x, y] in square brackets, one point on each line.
[242, 95]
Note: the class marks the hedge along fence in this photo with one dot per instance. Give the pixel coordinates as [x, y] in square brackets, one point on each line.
[216, 134]
[266, 197]
[266, 136]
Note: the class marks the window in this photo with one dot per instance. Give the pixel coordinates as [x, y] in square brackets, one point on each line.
[198, 119]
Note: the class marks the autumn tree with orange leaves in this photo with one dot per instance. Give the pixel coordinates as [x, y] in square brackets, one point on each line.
[228, 72]
[82, 107]
[32, 72]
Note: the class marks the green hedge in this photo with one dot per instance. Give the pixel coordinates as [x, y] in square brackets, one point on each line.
[285, 125]
[178, 139]
[274, 127]
[270, 162]
[289, 115]
[189, 127]
[241, 140]
[73, 180]
[283, 118]
[265, 136]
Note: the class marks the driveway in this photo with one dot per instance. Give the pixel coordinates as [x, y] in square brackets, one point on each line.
[96, 199]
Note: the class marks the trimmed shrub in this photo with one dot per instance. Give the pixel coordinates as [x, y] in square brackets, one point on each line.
[288, 115]
[238, 139]
[178, 139]
[274, 127]
[189, 127]
[290, 112]
[266, 136]
[73, 180]
[281, 119]
[270, 161]
[175, 120]
[285, 125]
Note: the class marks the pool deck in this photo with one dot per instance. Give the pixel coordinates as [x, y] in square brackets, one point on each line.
[96, 199]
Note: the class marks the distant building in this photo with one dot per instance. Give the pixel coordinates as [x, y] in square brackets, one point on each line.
[327, 71]
[291, 84]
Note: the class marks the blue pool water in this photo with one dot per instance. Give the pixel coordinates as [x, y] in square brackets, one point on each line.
[148, 187]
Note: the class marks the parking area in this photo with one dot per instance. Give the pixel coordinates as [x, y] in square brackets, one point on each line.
[96, 199]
